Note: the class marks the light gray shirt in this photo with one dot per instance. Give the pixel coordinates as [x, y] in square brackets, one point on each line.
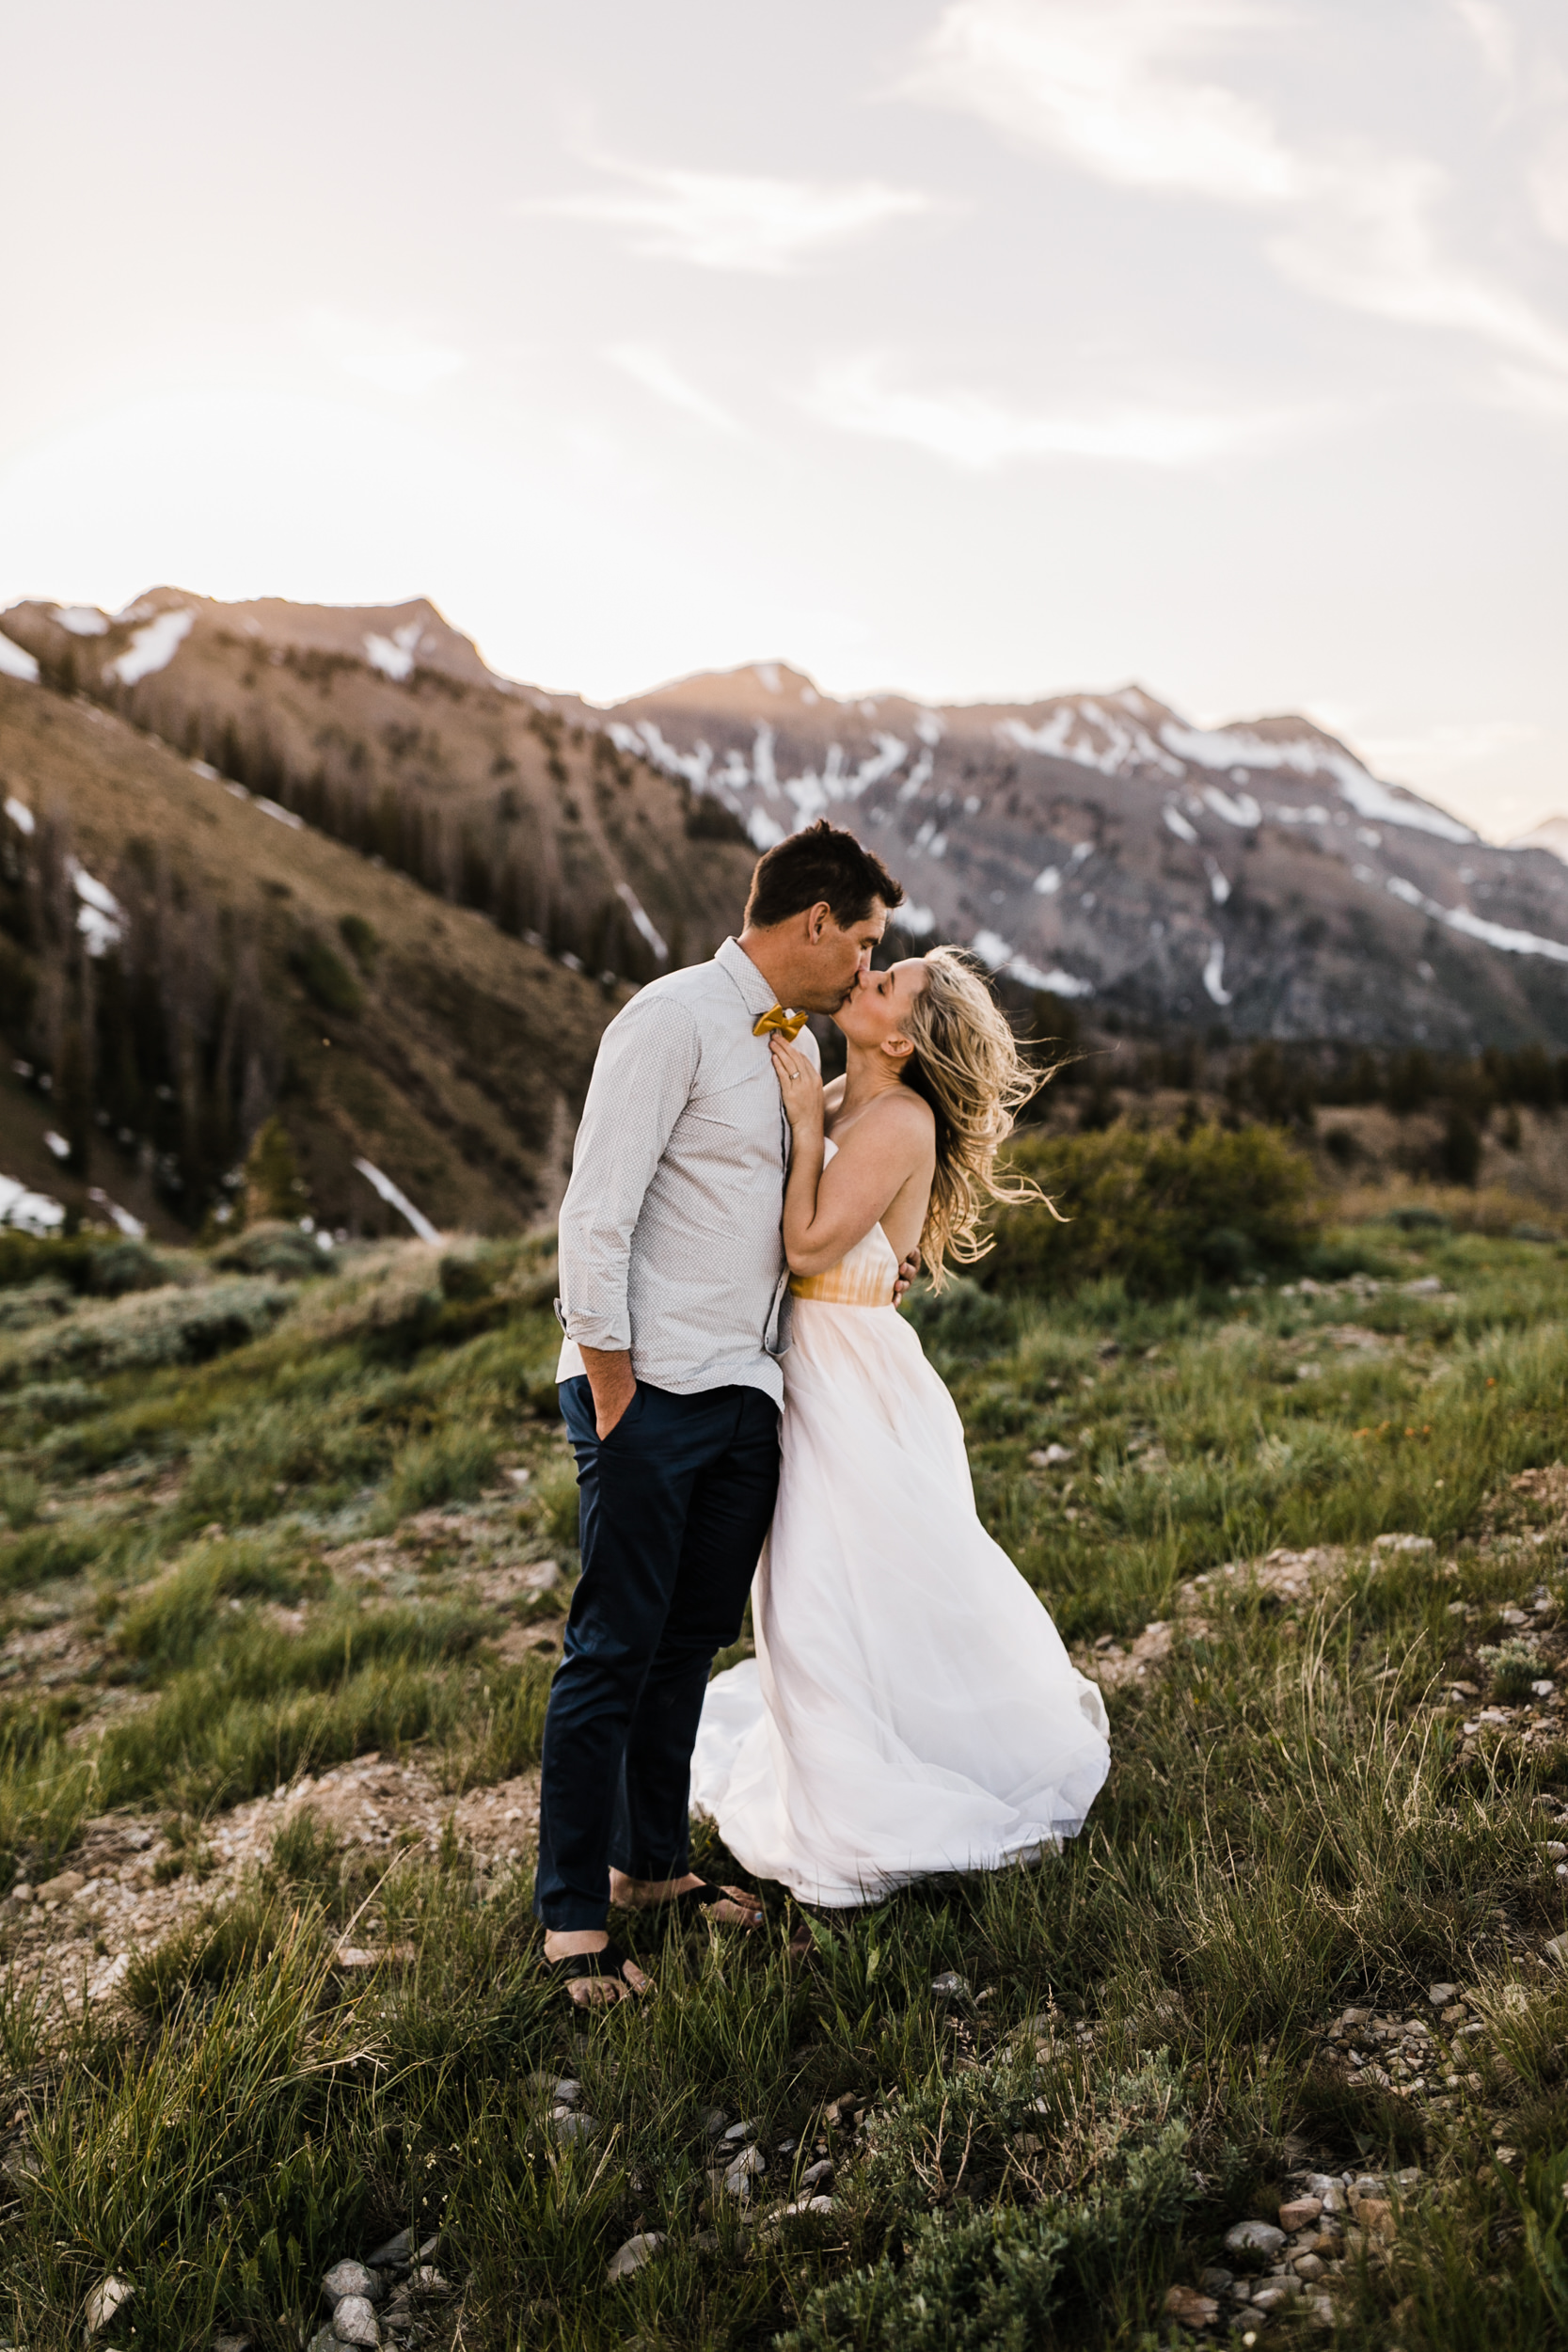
[670, 1232]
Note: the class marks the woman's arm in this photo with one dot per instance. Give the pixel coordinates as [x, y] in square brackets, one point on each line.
[826, 1211]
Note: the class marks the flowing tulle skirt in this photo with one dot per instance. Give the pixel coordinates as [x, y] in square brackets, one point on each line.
[911, 1708]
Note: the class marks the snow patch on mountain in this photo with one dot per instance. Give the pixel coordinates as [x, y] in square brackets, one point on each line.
[394, 656]
[1002, 956]
[16, 661]
[1511, 942]
[83, 620]
[152, 648]
[1213, 974]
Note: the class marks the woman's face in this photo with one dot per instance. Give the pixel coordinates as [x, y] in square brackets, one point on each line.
[874, 1011]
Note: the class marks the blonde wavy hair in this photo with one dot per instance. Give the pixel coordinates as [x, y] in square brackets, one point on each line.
[967, 1066]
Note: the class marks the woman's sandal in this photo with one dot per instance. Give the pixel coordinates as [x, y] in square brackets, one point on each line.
[609, 1965]
[704, 1896]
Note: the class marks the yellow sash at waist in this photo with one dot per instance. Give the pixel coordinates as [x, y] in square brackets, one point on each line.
[847, 1284]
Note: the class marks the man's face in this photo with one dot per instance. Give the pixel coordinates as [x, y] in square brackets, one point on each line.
[838, 958]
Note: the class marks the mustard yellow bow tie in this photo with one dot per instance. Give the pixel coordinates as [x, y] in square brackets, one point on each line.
[789, 1025]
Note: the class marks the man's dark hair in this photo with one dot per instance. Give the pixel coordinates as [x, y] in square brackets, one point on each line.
[820, 864]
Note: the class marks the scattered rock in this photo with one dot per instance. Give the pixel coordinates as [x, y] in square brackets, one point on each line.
[631, 2257]
[713, 2123]
[1275, 2291]
[567, 2125]
[1403, 1543]
[949, 1986]
[352, 2278]
[1214, 2280]
[1192, 2310]
[821, 2171]
[740, 2131]
[1050, 1457]
[1374, 2214]
[748, 2166]
[1253, 2237]
[1558, 1950]
[112, 2294]
[1441, 1996]
[427, 2281]
[395, 2253]
[61, 1888]
[355, 2321]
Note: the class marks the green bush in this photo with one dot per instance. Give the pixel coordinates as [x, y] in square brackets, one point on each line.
[166, 1326]
[361, 939]
[275, 1249]
[325, 977]
[1161, 1212]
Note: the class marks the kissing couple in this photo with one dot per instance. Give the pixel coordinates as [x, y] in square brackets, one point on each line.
[738, 1386]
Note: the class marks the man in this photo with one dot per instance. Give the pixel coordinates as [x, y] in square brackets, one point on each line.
[675, 1303]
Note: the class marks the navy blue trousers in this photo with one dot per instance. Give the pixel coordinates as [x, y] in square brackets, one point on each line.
[673, 1507]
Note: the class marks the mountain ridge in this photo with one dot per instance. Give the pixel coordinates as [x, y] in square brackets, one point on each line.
[1256, 877]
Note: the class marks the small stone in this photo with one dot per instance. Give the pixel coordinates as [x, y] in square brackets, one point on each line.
[821, 2171]
[749, 2166]
[352, 2278]
[707, 2241]
[427, 2281]
[630, 2258]
[1214, 2280]
[1298, 2213]
[1050, 1456]
[1557, 1949]
[355, 2322]
[1375, 2214]
[1190, 2308]
[1253, 2237]
[112, 2294]
[567, 2124]
[1277, 2292]
[741, 2131]
[22, 1892]
[1440, 1995]
[949, 1986]
[566, 2093]
[1355, 2016]
[1309, 2266]
[394, 2254]
[713, 2123]
[60, 1889]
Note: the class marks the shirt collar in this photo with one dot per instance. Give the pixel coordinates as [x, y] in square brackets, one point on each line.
[756, 994]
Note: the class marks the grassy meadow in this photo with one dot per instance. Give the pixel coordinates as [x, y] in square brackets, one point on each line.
[271, 1529]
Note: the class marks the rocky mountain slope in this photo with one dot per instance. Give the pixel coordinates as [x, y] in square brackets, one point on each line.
[1256, 875]
[267, 856]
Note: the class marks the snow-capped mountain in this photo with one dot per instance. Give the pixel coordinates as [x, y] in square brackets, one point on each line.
[1101, 846]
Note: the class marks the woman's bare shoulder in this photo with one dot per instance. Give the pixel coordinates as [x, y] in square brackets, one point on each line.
[901, 1117]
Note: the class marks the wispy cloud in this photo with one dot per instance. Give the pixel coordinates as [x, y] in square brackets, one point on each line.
[1368, 242]
[659, 374]
[1125, 89]
[735, 221]
[969, 429]
[1110, 83]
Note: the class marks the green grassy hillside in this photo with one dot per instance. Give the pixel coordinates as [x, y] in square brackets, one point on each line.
[284, 1565]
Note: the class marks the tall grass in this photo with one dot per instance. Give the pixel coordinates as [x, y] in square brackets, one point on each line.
[1132, 2057]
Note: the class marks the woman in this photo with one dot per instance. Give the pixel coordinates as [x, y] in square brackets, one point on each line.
[910, 1709]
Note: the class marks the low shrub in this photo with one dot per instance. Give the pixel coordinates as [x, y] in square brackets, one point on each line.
[164, 1326]
[1161, 1212]
[275, 1249]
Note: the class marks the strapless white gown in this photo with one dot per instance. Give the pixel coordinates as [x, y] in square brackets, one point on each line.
[910, 1709]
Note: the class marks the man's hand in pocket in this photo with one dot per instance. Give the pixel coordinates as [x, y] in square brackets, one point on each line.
[610, 1377]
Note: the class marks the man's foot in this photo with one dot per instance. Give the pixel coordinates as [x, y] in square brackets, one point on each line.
[730, 1906]
[593, 1970]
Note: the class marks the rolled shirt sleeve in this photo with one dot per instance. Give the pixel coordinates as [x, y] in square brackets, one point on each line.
[641, 1083]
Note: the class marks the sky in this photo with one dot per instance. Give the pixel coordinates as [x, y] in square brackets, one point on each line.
[979, 349]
